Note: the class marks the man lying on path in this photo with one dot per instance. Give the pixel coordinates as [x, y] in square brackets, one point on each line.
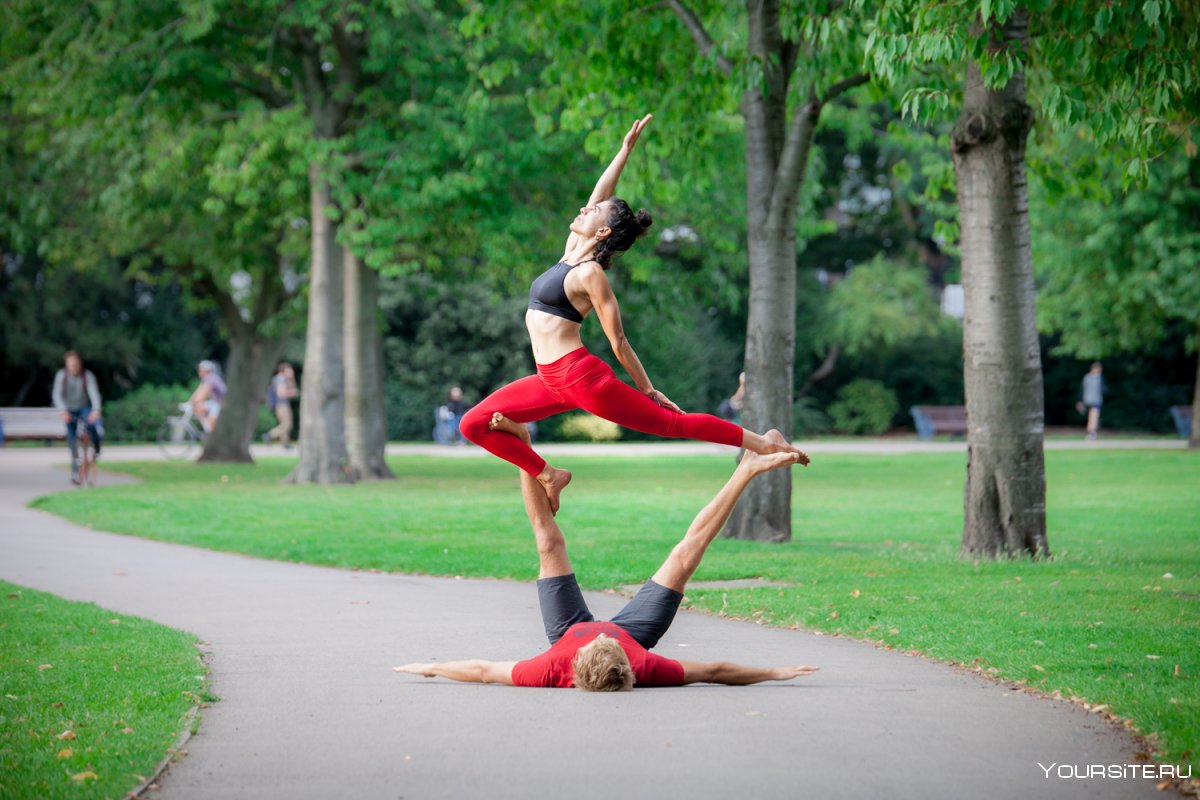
[613, 656]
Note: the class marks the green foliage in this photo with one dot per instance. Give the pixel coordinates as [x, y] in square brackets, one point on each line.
[864, 407]
[137, 416]
[122, 686]
[588, 428]
[808, 419]
[1116, 268]
[880, 304]
[1124, 72]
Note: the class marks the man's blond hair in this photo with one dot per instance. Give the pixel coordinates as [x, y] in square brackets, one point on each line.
[602, 666]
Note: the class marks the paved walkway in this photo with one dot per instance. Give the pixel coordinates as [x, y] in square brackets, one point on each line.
[310, 708]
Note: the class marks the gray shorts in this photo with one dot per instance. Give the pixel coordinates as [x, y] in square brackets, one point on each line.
[646, 617]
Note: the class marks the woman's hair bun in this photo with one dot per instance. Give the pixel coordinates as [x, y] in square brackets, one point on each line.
[644, 220]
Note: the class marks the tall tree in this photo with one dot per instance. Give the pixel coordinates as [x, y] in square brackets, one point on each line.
[1119, 72]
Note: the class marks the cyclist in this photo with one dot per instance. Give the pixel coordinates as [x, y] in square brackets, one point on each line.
[206, 400]
[77, 396]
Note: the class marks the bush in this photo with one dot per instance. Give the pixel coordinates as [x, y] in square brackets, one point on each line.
[864, 407]
[808, 419]
[137, 416]
[588, 428]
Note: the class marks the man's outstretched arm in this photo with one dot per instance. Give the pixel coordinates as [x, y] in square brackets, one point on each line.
[739, 674]
[471, 671]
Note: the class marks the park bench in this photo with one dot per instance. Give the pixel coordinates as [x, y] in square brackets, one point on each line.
[932, 420]
[1183, 420]
[43, 424]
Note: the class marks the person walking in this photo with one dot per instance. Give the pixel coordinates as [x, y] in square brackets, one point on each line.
[1092, 399]
[283, 390]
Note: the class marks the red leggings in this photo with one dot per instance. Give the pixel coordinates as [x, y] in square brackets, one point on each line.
[580, 380]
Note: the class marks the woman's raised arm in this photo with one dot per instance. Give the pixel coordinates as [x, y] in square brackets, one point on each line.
[606, 187]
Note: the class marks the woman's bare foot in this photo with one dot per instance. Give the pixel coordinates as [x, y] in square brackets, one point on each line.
[772, 442]
[499, 422]
[554, 481]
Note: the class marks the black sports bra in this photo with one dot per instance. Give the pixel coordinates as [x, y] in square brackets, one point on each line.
[548, 292]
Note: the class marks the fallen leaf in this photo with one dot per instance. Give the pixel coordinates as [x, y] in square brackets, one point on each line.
[855, 593]
[84, 776]
[58, 705]
[893, 631]
[12, 697]
[1153, 658]
[114, 622]
[1039, 669]
[127, 731]
[66, 752]
[66, 735]
[14, 596]
[833, 615]
[116, 668]
[42, 667]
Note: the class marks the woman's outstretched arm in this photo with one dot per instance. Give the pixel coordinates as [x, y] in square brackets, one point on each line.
[600, 292]
[606, 187]
[473, 671]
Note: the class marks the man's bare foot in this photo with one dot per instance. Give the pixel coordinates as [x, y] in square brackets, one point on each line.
[499, 422]
[554, 481]
[770, 443]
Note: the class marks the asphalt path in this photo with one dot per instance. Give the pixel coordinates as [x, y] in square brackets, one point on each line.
[309, 707]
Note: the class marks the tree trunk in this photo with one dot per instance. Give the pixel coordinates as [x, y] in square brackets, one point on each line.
[1194, 439]
[322, 407]
[366, 420]
[764, 512]
[251, 359]
[1005, 497]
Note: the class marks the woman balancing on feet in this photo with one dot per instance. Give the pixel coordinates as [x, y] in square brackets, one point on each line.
[568, 376]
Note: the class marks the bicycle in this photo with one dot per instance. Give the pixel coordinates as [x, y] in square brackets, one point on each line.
[83, 468]
[179, 434]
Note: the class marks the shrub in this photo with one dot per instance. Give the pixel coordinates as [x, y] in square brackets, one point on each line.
[137, 416]
[864, 407]
[588, 428]
[808, 419]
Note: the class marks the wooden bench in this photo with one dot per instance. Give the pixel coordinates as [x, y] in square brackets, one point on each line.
[1183, 420]
[932, 420]
[44, 424]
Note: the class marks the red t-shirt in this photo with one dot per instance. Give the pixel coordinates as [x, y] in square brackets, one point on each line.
[553, 667]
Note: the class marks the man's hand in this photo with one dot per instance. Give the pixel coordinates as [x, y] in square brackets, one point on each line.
[663, 400]
[636, 131]
[417, 669]
[787, 673]
[66, 416]
[92, 417]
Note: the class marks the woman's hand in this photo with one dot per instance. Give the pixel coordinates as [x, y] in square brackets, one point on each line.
[663, 400]
[425, 670]
[636, 131]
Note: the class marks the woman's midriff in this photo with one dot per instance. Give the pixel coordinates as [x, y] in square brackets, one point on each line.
[551, 337]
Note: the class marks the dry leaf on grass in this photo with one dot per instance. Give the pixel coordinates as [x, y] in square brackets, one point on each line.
[45, 667]
[84, 776]
[66, 735]
[66, 752]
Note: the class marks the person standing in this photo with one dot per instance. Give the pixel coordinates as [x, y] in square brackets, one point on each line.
[449, 416]
[1092, 398]
[77, 396]
[283, 390]
[731, 407]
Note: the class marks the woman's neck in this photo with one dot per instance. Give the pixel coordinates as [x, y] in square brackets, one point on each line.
[582, 251]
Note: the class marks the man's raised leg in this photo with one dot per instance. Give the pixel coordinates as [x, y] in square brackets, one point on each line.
[685, 557]
[559, 598]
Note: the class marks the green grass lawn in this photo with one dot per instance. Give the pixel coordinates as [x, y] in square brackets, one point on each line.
[1113, 619]
[92, 700]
